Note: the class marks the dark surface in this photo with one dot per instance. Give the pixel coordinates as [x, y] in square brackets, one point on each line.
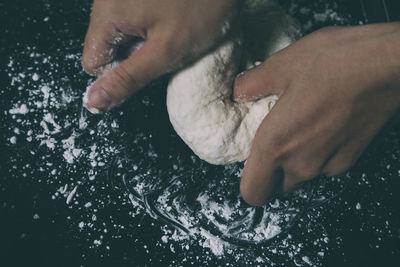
[37, 228]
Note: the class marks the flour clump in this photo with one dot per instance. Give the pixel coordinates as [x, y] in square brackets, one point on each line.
[199, 101]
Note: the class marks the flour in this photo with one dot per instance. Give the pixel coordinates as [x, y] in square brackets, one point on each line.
[71, 195]
[82, 159]
[13, 140]
[212, 242]
[22, 109]
[70, 152]
[35, 77]
[199, 103]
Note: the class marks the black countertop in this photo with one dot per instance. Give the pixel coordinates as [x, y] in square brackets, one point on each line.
[114, 190]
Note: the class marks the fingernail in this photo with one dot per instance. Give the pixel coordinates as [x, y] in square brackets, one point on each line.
[240, 74]
[97, 100]
[239, 98]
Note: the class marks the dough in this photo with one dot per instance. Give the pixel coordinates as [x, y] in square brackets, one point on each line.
[199, 103]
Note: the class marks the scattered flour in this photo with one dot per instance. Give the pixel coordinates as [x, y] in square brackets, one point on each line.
[51, 125]
[71, 195]
[22, 109]
[215, 244]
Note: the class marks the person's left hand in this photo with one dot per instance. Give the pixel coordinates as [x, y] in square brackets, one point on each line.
[337, 88]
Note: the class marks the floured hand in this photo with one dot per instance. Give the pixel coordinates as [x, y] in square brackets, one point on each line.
[175, 33]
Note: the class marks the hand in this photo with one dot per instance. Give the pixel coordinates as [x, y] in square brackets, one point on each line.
[175, 33]
[337, 88]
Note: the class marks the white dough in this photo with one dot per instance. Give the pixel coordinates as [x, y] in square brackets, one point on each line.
[199, 103]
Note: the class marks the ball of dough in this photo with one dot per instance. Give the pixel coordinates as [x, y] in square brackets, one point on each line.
[199, 103]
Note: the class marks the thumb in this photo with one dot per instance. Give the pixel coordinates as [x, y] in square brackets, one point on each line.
[260, 81]
[115, 85]
[263, 175]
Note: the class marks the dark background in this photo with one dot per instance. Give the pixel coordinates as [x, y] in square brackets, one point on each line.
[38, 229]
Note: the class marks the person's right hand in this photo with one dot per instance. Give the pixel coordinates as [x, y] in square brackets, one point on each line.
[175, 32]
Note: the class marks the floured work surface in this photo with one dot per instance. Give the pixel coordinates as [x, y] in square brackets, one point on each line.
[124, 189]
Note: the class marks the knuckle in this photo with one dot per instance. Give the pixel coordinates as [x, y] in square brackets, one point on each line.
[122, 80]
[305, 170]
[167, 48]
[285, 153]
[172, 53]
[281, 148]
[309, 171]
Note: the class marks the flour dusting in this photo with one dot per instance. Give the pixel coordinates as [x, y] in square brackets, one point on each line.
[123, 186]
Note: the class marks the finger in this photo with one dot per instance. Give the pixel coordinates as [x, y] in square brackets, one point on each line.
[149, 62]
[260, 181]
[344, 159]
[264, 173]
[265, 79]
[106, 49]
[290, 182]
[99, 48]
